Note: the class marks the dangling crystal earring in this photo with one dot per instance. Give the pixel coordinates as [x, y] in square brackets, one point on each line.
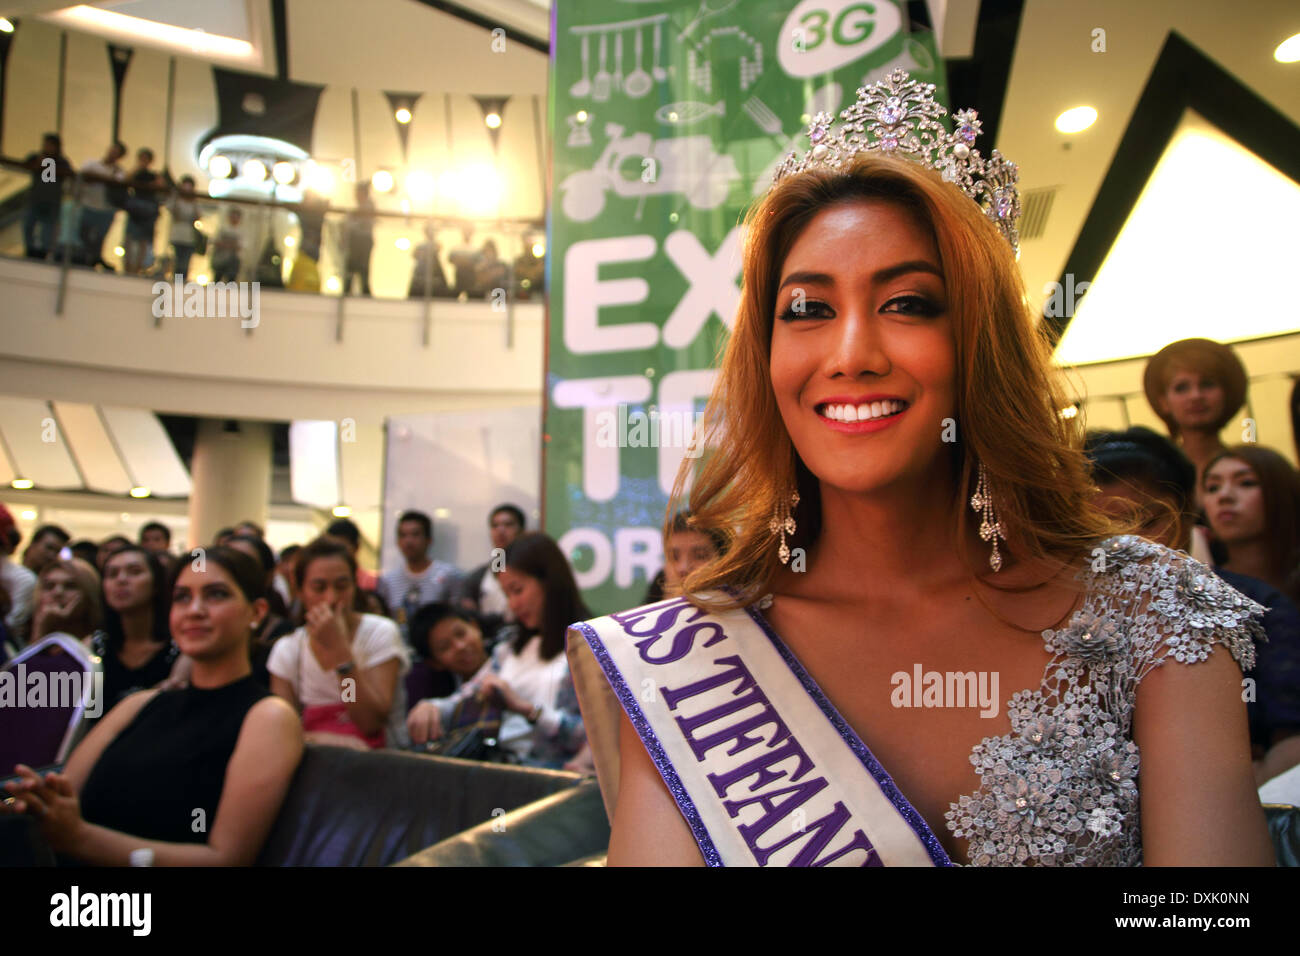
[783, 524]
[990, 526]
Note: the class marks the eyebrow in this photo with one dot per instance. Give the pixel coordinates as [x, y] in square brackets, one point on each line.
[883, 275]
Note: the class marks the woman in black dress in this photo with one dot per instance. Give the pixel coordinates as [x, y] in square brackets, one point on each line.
[192, 776]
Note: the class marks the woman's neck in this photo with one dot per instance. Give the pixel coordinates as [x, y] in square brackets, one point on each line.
[895, 543]
[137, 625]
[210, 674]
[1252, 559]
[1200, 445]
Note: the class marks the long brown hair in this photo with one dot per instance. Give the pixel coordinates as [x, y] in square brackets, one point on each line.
[1009, 402]
[1279, 485]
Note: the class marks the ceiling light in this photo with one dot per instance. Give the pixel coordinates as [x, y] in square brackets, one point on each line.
[219, 167]
[419, 185]
[342, 511]
[403, 115]
[493, 120]
[332, 284]
[479, 188]
[403, 243]
[22, 484]
[318, 178]
[1288, 51]
[6, 25]
[1076, 120]
[382, 181]
[283, 172]
[28, 514]
[139, 491]
[253, 169]
[289, 242]
[539, 249]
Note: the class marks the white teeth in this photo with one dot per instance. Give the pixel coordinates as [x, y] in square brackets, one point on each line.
[864, 412]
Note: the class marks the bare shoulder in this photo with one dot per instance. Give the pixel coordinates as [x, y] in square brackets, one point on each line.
[272, 715]
[648, 828]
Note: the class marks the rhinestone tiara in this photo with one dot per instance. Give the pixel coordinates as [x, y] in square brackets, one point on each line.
[901, 116]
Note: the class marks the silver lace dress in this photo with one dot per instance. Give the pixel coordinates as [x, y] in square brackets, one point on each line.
[1062, 788]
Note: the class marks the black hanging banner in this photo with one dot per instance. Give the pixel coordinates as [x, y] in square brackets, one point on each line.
[119, 58]
[402, 101]
[264, 106]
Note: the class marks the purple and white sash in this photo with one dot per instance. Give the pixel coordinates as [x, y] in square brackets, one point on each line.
[764, 769]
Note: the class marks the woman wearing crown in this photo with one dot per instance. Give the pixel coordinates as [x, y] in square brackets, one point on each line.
[922, 645]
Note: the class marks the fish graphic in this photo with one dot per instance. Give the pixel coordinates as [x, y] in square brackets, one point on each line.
[688, 112]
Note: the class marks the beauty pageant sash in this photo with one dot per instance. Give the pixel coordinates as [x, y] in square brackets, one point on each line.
[764, 769]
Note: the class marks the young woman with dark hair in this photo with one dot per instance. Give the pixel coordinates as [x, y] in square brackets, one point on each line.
[528, 674]
[136, 644]
[187, 777]
[343, 670]
[906, 506]
[276, 623]
[1252, 500]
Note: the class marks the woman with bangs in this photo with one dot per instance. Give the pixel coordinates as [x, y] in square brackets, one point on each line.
[922, 645]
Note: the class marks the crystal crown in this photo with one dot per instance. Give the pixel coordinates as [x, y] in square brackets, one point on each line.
[899, 115]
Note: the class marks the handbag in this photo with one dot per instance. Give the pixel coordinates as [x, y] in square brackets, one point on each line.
[474, 732]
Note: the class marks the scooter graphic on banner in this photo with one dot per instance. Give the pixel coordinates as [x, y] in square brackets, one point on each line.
[688, 165]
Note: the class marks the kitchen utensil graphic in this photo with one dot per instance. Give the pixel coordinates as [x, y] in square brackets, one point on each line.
[638, 82]
[583, 86]
[600, 85]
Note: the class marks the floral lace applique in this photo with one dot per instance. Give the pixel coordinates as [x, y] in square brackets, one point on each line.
[1062, 788]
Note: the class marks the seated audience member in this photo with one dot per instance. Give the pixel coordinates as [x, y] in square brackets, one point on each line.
[275, 624]
[1252, 499]
[449, 646]
[528, 674]
[87, 551]
[342, 670]
[346, 530]
[47, 541]
[1146, 482]
[155, 537]
[135, 645]
[285, 578]
[67, 601]
[419, 579]
[251, 528]
[221, 750]
[109, 547]
[686, 550]
[221, 537]
[16, 580]
[482, 592]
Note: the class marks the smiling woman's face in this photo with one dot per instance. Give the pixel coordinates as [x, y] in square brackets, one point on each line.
[863, 361]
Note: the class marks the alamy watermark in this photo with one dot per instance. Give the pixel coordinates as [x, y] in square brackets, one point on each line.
[181, 299]
[923, 688]
[653, 429]
[18, 688]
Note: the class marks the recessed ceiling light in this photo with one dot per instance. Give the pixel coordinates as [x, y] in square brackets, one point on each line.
[493, 120]
[1076, 120]
[6, 25]
[342, 511]
[403, 115]
[382, 181]
[22, 484]
[1288, 51]
[139, 491]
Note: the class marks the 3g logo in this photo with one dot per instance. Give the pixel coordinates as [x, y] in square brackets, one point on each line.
[853, 28]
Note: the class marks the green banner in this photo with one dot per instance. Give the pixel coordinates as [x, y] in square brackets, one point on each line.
[668, 120]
